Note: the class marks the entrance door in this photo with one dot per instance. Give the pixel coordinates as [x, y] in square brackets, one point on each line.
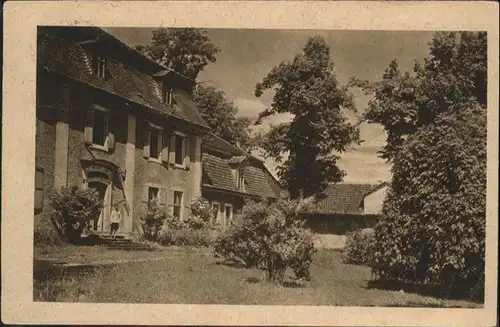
[100, 223]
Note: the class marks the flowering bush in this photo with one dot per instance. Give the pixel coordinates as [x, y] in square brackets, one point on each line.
[201, 215]
[153, 220]
[270, 236]
[72, 209]
[197, 230]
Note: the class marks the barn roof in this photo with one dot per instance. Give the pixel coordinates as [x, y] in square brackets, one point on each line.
[343, 198]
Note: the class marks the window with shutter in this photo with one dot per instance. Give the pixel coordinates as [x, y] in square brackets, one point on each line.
[165, 155]
[155, 143]
[179, 150]
[100, 128]
[228, 214]
[97, 131]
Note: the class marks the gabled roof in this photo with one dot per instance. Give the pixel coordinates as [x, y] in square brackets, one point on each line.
[375, 188]
[343, 198]
[68, 57]
[217, 170]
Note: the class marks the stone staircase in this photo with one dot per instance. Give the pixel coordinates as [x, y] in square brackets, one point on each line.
[118, 242]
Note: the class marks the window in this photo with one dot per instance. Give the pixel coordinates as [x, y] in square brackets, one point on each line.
[99, 64]
[228, 213]
[240, 181]
[100, 127]
[177, 204]
[155, 143]
[179, 150]
[38, 190]
[216, 209]
[167, 95]
[153, 194]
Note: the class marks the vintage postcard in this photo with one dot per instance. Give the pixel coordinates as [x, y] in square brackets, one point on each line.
[250, 163]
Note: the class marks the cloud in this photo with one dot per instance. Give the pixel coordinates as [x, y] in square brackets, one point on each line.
[249, 107]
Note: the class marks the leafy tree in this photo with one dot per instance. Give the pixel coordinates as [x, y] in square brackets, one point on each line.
[185, 50]
[454, 72]
[432, 226]
[220, 115]
[307, 88]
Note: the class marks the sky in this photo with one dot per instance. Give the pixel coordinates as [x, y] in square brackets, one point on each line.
[247, 55]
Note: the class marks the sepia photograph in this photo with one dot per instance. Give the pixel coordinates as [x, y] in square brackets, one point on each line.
[316, 167]
[229, 166]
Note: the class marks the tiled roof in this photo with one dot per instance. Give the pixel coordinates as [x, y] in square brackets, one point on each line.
[217, 173]
[213, 141]
[343, 199]
[69, 58]
[217, 169]
[257, 183]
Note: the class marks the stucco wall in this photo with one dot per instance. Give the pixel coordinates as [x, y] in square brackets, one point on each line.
[374, 201]
[81, 99]
[45, 138]
[165, 176]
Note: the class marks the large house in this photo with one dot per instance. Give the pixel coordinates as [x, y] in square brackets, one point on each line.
[111, 119]
[347, 207]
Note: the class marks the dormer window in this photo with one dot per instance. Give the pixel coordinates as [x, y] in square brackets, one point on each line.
[167, 95]
[99, 65]
[240, 181]
[237, 165]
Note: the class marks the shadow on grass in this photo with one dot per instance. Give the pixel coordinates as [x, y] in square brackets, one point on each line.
[294, 284]
[436, 291]
[237, 265]
[253, 280]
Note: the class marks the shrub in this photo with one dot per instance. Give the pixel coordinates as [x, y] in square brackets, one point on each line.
[72, 209]
[201, 214]
[357, 249]
[270, 236]
[150, 245]
[197, 230]
[432, 226]
[45, 233]
[187, 237]
[240, 242]
[152, 220]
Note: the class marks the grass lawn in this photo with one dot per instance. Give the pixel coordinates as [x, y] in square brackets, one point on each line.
[89, 254]
[196, 277]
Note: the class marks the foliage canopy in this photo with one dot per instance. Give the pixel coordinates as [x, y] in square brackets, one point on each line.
[306, 88]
